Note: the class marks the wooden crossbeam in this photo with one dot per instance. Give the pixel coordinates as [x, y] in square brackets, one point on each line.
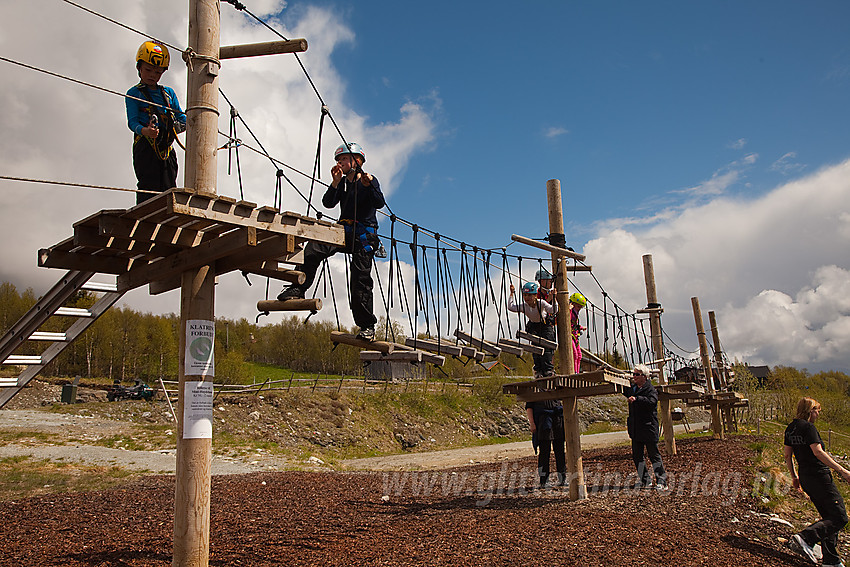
[235, 242]
[52, 258]
[534, 339]
[548, 247]
[479, 344]
[264, 48]
[313, 305]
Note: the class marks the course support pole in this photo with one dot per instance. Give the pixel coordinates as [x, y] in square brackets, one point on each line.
[572, 431]
[654, 306]
[716, 425]
[718, 350]
[197, 302]
[726, 411]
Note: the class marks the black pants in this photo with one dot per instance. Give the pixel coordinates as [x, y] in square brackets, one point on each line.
[830, 505]
[542, 362]
[552, 439]
[360, 282]
[152, 173]
[654, 458]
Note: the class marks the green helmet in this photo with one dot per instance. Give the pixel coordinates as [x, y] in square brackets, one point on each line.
[578, 299]
[542, 274]
[350, 149]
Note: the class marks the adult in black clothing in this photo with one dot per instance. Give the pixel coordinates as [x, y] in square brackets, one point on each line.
[546, 420]
[803, 441]
[643, 427]
[359, 196]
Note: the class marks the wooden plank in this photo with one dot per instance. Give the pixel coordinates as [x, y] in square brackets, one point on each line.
[511, 349]
[265, 218]
[348, 339]
[51, 258]
[398, 356]
[434, 346]
[534, 339]
[234, 242]
[290, 305]
[479, 344]
[561, 393]
[533, 349]
[291, 276]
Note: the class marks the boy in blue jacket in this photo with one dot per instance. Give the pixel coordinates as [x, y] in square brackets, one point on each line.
[155, 117]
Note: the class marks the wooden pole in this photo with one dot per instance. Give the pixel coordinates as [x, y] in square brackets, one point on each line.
[716, 425]
[266, 48]
[197, 304]
[718, 350]
[654, 306]
[721, 369]
[572, 430]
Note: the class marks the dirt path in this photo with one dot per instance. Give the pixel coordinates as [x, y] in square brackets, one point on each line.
[164, 461]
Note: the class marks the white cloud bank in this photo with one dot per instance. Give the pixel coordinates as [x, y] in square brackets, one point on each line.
[776, 270]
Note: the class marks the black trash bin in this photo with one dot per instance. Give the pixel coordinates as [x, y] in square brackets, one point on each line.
[69, 394]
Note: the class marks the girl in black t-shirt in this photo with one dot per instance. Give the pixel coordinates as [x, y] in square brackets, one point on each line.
[803, 442]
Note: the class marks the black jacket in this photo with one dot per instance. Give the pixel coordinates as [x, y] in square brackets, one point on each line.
[643, 413]
[357, 201]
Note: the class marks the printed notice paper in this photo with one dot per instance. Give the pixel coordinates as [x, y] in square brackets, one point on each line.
[200, 355]
[198, 410]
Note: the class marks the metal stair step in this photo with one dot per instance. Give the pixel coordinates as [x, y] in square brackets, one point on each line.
[98, 286]
[73, 312]
[23, 359]
[47, 336]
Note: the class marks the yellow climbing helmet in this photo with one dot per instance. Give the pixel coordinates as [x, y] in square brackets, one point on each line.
[153, 53]
[578, 299]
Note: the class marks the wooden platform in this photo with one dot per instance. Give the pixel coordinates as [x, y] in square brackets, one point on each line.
[583, 385]
[156, 241]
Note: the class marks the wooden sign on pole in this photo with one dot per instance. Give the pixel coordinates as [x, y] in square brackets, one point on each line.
[654, 307]
[572, 430]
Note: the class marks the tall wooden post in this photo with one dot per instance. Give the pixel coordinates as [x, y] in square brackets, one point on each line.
[197, 303]
[721, 369]
[654, 308]
[572, 430]
[716, 426]
[718, 350]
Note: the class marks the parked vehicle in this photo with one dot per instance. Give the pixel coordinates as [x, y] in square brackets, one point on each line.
[138, 391]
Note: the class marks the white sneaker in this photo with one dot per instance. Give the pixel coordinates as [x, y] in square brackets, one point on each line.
[839, 564]
[799, 545]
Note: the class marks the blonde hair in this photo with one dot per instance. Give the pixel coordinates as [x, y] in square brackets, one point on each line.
[805, 407]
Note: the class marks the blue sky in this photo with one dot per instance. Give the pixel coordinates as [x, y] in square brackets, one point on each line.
[713, 135]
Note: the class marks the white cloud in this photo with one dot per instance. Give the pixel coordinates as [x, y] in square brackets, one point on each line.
[786, 164]
[555, 131]
[737, 144]
[769, 267]
[58, 130]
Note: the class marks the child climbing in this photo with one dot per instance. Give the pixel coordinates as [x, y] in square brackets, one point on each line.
[538, 313]
[577, 301]
[359, 196]
[155, 123]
